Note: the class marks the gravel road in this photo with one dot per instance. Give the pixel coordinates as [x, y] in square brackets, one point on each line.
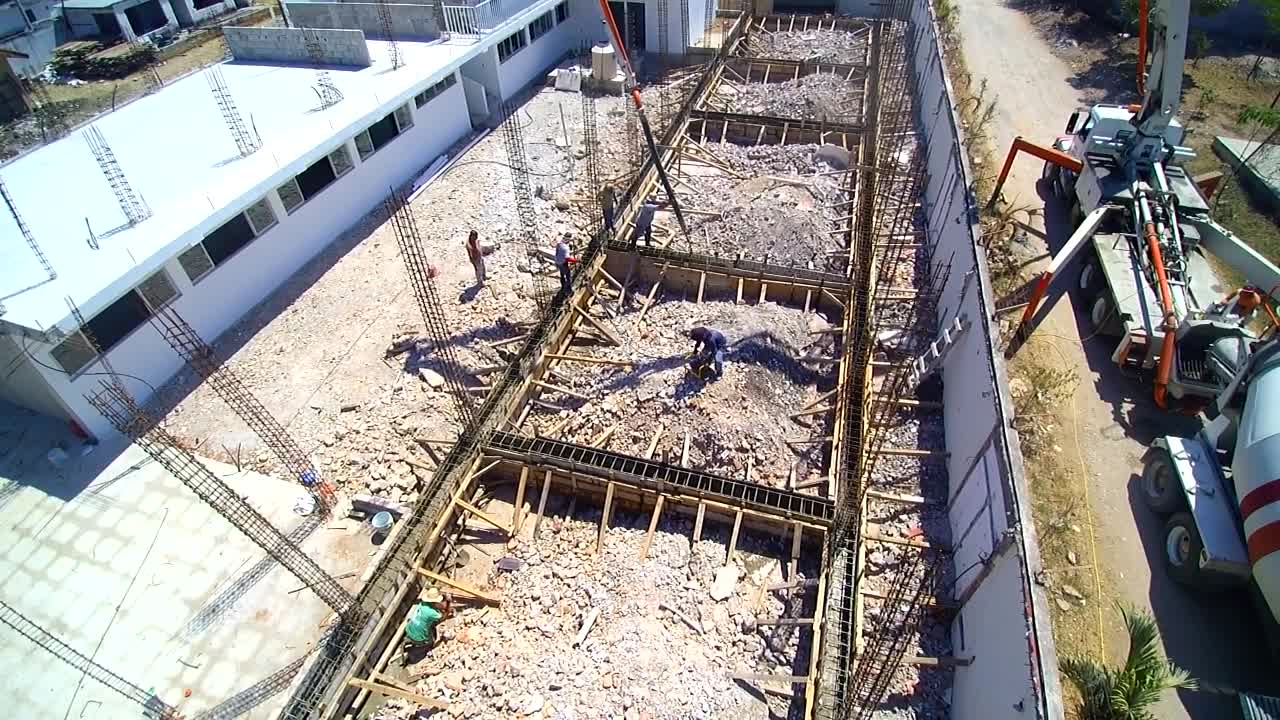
[1213, 637]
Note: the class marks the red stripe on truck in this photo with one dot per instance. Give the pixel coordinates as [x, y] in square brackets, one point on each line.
[1264, 494]
[1264, 541]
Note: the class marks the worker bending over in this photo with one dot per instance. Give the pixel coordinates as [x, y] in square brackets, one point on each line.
[564, 258]
[644, 220]
[708, 346]
[431, 608]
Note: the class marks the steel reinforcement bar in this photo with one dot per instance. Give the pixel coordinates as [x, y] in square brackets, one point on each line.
[835, 282]
[320, 689]
[654, 475]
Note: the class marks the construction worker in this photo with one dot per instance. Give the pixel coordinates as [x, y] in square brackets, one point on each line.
[420, 629]
[564, 258]
[644, 220]
[476, 256]
[609, 205]
[709, 345]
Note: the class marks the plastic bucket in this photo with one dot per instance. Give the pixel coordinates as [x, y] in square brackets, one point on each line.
[381, 523]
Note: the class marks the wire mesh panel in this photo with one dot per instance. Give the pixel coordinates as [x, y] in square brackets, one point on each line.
[26, 232]
[131, 204]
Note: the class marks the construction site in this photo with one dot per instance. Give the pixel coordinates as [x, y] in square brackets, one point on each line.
[835, 527]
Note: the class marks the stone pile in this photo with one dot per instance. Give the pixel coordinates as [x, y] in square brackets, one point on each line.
[638, 658]
[740, 416]
[831, 46]
[822, 97]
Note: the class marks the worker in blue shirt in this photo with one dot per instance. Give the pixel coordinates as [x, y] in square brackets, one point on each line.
[708, 345]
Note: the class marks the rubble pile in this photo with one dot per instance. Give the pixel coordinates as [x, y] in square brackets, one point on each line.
[740, 417]
[831, 46]
[581, 635]
[823, 97]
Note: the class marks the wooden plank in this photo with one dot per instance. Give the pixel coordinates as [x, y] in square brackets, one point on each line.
[768, 677]
[702, 283]
[519, 508]
[733, 539]
[482, 515]
[797, 535]
[943, 662]
[783, 621]
[653, 526]
[764, 289]
[396, 692]
[814, 411]
[813, 482]
[564, 390]
[928, 601]
[739, 300]
[465, 587]
[697, 522]
[653, 442]
[684, 454]
[542, 502]
[603, 438]
[584, 359]
[604, 517]
[894, 497]
[913, 452]
[873, 534]
[608, 333]
[808, 299]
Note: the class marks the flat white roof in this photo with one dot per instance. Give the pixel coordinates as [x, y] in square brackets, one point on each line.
[177, 153]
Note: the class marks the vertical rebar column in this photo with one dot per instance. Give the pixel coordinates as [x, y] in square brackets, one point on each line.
[591, 148]
[326, 91]
[900, 616]
[26, 232]
[118, 407]
[153, 706]
[393, 48]
[204, 362]
[424, 290]
[134, 207]
[247, 143]
[513, 141]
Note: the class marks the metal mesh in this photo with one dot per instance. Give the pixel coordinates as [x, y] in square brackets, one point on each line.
[204, 362]
[513, 141]
[26, 232]
[153, 707]
[131, 204]
[246, 142]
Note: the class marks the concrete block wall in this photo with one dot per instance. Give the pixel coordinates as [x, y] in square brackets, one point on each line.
[259, 44]
[1004, 621]
[408, 20]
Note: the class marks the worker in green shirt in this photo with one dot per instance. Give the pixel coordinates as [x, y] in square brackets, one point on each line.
[429, 610]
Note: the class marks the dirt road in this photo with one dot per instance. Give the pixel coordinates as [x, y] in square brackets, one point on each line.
[1214, 637]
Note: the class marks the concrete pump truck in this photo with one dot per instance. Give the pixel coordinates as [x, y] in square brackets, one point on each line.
[1143, 232]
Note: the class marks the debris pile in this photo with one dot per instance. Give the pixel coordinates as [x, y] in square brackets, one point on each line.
[831, 46]
[617, 636]
[774, 367]
[820, 96]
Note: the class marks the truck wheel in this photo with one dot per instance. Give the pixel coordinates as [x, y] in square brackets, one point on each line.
[1050, 175]
[1100, 313]
[1090, 278]
[1182, 548]
[1160, 486]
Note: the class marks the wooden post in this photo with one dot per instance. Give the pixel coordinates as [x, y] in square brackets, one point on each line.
[797, 533]
[653, 442]
[697, 523]
[653, 526]
[542, 502]
[604, 518]
[733, 539]
[519, 508]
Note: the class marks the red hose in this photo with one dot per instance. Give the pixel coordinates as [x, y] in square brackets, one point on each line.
[1165, 368]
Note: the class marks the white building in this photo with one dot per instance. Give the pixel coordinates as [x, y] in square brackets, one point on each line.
[225, 230]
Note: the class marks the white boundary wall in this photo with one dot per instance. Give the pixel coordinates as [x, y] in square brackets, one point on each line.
[1004, 622]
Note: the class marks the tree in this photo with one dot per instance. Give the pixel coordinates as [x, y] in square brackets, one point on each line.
[1127, 693]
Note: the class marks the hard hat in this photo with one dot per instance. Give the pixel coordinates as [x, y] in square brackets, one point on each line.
[431, 595]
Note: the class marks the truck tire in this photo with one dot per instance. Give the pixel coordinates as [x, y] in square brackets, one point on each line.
[1091, 281]
[1101, 311]
[1160, 487]
[1182, 548]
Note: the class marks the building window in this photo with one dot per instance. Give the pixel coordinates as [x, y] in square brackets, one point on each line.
[340, 159]
[384, 131]
[432, 92]
[157, 290]
[73, 353]
[316, 178]
[404, 117]
[261, 216]
[290, 195]
[195, 262]
[512, 45]
[541, 26]
[562, 12]
[226, 240]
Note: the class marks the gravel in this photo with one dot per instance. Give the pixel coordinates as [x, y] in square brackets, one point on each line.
[823, 97]
[833, 46]
[744, 414]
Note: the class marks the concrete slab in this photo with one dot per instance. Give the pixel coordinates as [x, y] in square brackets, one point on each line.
[122, 562]
[1263, 170]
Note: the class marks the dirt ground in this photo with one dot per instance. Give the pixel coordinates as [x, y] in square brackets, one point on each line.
[1101, 429]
